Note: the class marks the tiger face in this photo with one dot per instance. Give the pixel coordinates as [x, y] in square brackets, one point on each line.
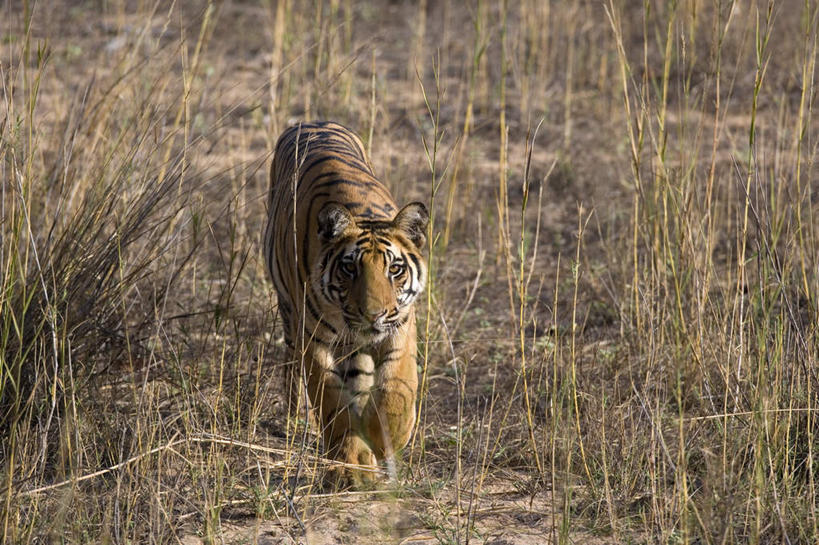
[371, 271]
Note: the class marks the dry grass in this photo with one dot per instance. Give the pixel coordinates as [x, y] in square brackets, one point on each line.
[619, 343]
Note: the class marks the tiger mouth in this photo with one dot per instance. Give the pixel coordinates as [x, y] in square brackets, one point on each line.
[365, 329]
[373, 330]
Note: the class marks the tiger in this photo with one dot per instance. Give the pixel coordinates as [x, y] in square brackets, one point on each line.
[347, 267]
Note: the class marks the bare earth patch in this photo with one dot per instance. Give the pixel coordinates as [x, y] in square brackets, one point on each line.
[505, 517]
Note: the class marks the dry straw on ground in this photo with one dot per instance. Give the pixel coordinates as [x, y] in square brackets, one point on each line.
[619, 343]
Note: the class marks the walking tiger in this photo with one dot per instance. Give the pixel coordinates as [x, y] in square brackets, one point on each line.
[347, 267]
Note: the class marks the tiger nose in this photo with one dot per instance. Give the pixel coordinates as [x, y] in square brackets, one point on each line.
[375, 315]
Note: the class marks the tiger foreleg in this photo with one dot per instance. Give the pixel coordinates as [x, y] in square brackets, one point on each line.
[388, 418]
[340, 422]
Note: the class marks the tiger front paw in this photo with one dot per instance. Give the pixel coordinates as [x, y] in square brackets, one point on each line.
[360, 465]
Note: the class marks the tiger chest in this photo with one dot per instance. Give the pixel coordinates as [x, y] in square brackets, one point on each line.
[357, 372]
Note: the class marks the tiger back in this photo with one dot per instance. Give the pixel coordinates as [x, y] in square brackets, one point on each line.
[347, 267]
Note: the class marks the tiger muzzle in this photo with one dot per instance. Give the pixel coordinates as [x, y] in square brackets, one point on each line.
[375, 317]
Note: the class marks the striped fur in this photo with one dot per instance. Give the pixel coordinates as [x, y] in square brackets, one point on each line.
[347, 268]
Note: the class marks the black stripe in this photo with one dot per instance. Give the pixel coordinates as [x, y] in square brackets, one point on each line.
[316, 317]
[374, 225]
[318, 147]
[325, 260]
[368, 213]
[353, 373]
[326, 145]
[370, 184]
[305, 246]
[323, 159]
[389, 357]
[321, 136]
[386, 208]
[416, 263]
[347, 135]
[334, 292]
[287, 143]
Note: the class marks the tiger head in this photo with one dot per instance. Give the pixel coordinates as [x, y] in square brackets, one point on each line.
[371, 271]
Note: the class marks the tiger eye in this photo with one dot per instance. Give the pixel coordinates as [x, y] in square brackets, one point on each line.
[348, 267]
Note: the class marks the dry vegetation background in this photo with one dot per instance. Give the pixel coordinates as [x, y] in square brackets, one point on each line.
[619, 342]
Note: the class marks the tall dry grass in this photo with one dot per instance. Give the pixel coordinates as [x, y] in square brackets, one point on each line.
[621, 323]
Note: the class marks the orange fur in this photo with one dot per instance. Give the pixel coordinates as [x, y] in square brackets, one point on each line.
[347, 267]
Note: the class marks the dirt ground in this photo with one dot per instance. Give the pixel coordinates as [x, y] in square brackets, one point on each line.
[505, 518]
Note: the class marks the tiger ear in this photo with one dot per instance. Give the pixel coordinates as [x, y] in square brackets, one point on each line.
[333, 220]
[412, 220]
